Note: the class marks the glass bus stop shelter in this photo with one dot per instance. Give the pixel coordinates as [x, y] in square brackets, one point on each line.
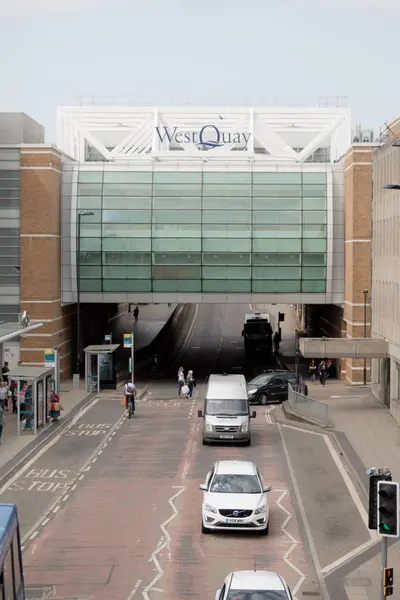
[32, 410]
[101, 367]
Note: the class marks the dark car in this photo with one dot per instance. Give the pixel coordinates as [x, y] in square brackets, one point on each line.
[270, 387]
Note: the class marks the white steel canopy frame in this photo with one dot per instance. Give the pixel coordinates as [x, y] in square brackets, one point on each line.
[128, 134]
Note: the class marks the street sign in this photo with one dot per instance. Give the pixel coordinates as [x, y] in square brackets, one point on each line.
[107, 337]
[50, 358]
[128, 340]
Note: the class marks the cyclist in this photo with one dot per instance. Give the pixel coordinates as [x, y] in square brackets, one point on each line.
[130, 393]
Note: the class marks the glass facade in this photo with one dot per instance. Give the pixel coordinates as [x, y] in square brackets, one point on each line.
[203, 231]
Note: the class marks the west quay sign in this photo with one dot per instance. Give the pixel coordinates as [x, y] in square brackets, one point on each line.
[207, 138]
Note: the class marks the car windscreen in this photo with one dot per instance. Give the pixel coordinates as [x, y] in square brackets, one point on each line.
[235, 484]
[260, 380]
[257, 595]
[231, 408]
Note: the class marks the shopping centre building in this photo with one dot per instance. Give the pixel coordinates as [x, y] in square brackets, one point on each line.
[259, 205]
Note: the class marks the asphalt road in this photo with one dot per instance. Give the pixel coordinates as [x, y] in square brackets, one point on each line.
[111, 508]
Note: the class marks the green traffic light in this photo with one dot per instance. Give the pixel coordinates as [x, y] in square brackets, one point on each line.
[386, 527]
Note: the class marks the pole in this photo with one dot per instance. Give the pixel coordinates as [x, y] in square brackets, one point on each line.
[296, 358]
[132, 360]
[365, 333]
[78, 291]
[384, 555]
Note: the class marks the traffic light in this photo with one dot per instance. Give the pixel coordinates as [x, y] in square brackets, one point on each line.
[373, 498]
[388, 582]
[388, 509]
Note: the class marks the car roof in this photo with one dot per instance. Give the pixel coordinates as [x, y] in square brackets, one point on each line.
[256, 580]
[226, 387]
[236, 467]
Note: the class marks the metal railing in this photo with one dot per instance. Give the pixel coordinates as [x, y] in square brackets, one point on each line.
[308, 407]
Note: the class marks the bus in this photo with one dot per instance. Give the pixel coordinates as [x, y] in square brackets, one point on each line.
[11, 571]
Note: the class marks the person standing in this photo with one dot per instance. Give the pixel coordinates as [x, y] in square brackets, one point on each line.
[322, 372]
[5, 370]
[312, 371]
[181, 380]
[3, 395]
[1, 421]
[54, 406]
[191, 382]
[136, 313]
[276, 342]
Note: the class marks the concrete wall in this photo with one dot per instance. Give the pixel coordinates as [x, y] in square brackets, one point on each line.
[18, 128]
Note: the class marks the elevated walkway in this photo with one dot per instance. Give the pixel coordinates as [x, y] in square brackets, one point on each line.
[343, 347]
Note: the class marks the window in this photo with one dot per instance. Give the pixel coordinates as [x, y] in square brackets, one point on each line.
[227, 178]
[227, 203]
[276, 217]
[226, 216]
[227, 191]
[90, 176]
[277, 178]
[277, 190]
[177, 178]
[127, 177]
[180, 216]
[169, 191]
[127, 189]
[232, 484]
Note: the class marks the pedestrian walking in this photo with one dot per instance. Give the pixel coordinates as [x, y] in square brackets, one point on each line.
[28, 408]
[55, 407]
[191, 382]
[276, 342]
[322, 372]
[181, 380]
[1, 421]
[136, 313]
[312, 369]
[3, 395]
[4, 371]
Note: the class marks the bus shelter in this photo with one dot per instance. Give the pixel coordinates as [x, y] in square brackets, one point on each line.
[32, 408]
[101, 367]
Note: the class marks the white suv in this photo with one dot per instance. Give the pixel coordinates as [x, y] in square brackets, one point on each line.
[254, 585]
[235, 497]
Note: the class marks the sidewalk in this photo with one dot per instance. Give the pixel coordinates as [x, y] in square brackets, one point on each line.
[373, 441]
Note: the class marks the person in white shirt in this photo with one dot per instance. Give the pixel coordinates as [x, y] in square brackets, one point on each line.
[181, 380]
[130, 393]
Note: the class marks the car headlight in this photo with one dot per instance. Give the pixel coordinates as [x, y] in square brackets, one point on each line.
[261, 509]
[245, 427]
[251, 392]
[211, 509]
[208, 427]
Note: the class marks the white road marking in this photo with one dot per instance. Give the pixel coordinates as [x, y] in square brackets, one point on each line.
[134, 589]
[44, 523]
[163, 543]
[336, 396]
[268, 417]
[346, 557]
[56, 509]
[34, 534]
[294, 545]
[195, 347]
[65, 498]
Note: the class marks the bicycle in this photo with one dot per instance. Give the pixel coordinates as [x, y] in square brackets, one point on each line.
[131, 409]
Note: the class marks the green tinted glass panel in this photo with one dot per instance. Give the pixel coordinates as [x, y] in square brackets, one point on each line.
[127, 189]
[170, 191]
[275, 191]
[90, 244]
[127, 285]
[90, 230]
[314, 231]
[227, 178]
[90, 258]
[90, 176]
[226, 245]
[179, 216]
[227, 191]
[90, 285]
[226, 285]
[176, 285]
[94, 218]
[313, 286]
[277, 204]
[314, 178]
[128, 203]
[313, 273]
[176, 231]
[314, 259]
[276, 216]
[126, 258]
[89, 202]
[127, 244]
[226, 258]
[176, 245]
[223, 272]
[273, 286]
[278, 245]
[226, 203]
[175, 204]
[176, 258]
[90, 189]
[314, 245]
[226, 216]
[127, 177]
[177, 272]
[121, 230]
[314, 216]
[276, 272]
[126, 216]
[276, 258]
[91, 272]
[118, 272]
[234, 230]
[314, 190]
[274, 231]
[314, 203]
[288, 178]
[177, 178]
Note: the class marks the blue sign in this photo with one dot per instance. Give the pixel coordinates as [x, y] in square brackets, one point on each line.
[207, 138]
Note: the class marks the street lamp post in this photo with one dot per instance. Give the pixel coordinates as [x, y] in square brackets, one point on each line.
[365, 292]
[85, 213]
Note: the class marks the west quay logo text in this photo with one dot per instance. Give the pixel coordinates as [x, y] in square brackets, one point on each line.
[207, 137]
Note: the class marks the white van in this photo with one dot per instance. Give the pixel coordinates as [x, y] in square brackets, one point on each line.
[226, 410]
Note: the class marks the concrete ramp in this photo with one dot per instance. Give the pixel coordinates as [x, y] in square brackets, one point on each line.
[343, 347]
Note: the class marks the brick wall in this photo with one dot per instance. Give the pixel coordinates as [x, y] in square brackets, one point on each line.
[41, 258]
